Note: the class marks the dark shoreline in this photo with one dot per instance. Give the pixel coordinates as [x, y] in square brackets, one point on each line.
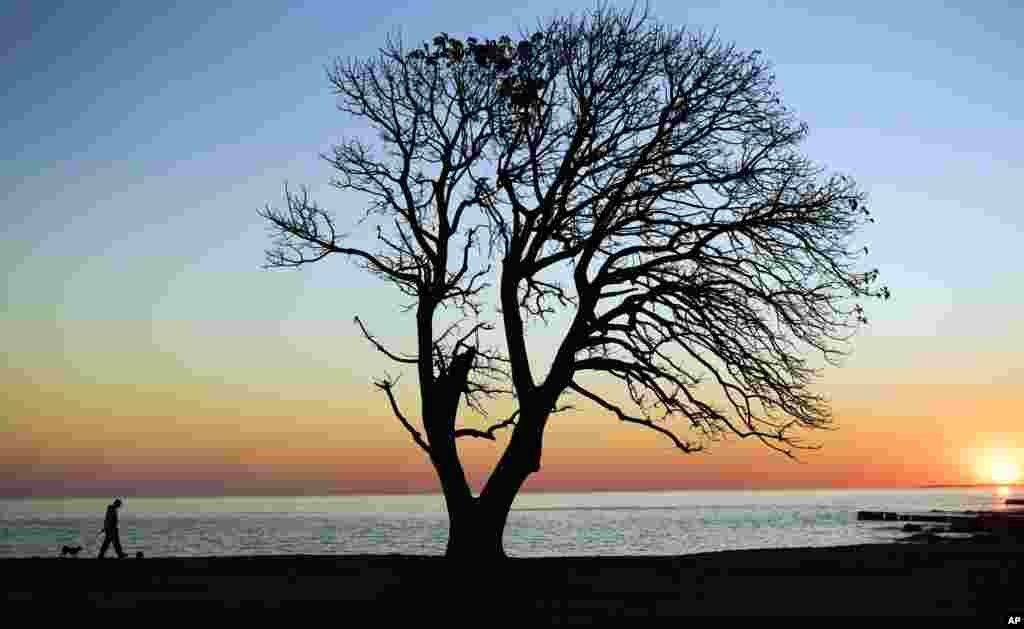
[938, 578]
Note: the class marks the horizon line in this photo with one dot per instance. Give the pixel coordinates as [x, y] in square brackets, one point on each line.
[28, 496]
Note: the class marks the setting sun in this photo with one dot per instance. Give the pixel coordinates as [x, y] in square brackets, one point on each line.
[1003, 470]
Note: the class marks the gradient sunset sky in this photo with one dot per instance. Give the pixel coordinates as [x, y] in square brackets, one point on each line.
[146, 352]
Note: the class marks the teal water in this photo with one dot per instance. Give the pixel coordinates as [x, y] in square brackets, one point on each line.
[541, 524]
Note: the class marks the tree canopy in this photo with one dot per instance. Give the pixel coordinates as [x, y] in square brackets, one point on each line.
[644, 180]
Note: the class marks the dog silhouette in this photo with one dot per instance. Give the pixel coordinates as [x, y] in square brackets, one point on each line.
[70, 550]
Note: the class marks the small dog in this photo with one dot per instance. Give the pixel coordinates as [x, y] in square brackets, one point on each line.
[70, 550]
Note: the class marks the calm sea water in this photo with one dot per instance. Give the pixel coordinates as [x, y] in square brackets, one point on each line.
[662, 523]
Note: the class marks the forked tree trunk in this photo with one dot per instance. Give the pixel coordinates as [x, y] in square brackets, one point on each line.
[477, 525]
[475, 531]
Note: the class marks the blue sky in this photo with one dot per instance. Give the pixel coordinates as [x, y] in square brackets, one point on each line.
[154, 136]
[138, 144]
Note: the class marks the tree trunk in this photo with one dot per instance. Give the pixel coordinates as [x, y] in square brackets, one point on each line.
[477, 525]
[475, 531]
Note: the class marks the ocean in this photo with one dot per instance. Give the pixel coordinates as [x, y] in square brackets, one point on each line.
[541, 524]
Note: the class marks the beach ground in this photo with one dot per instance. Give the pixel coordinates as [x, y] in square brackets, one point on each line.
[885, 579]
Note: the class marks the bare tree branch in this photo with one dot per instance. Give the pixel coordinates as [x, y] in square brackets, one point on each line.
[386, 386]
[489, 433]
[682, 445]
[410, 360]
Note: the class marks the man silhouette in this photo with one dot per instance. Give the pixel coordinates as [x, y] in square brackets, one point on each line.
[110, 533]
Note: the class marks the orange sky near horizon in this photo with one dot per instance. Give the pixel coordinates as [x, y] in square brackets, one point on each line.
[140, 421]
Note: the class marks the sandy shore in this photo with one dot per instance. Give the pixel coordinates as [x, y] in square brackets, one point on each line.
[885, 579]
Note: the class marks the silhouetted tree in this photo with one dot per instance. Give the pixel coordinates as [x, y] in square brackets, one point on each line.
[646, 180]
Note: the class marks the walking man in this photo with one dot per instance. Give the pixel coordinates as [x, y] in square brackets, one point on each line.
[110, 533]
